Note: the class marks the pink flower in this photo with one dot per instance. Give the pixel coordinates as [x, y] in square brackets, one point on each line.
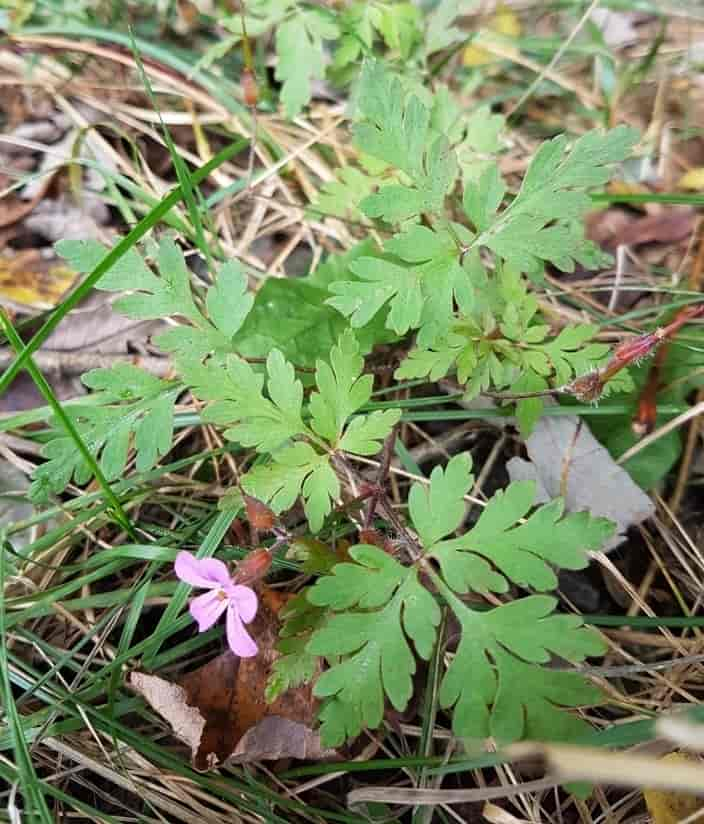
[239, 601]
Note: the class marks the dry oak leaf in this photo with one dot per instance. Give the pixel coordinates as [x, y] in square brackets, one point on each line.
[219, 710]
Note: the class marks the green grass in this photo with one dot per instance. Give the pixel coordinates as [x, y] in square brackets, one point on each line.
[109, 601]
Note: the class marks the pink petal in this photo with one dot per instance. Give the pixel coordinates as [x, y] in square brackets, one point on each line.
[237, 636]
[207, 608]
[245, 600]
[204, 572]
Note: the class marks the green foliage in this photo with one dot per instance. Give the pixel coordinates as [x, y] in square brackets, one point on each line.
[300, 50]
[543, 222]
[290, 314]
[272, 422]
[137, 412]
[377, 656]
[481, 323]
[301, 453]
[495, 681]
[295, 665]
[212, 322]
[282, 374]
[303, 33]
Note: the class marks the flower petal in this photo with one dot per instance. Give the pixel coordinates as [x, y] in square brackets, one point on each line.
[203, 572]
[245, 599]
[237, 636]
[207, 608]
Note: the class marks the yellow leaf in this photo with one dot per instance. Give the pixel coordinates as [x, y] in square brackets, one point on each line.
[670, 807]
[693, 179]
[27, 279]
[505, 22]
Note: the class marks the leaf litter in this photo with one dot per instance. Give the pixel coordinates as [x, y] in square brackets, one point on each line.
[219, 710]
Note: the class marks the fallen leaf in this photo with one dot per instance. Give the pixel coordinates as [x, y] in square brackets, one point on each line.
[220, 712]
[606, 226]
[693, 179]
[30, 279]
[671, 226]
[94, 326]
[573, 464]
[63, 219]
[615, 227]
[505, 22]
[671, 807]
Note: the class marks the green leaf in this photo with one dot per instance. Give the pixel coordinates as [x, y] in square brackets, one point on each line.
[482, 134]
[439, 32]
[435, 362]
[341, 197]
[495, 683]
[390, 129]
[295, 470]
[129, 272]
[433, 179]
[526, 553]
[364, 435]
[341, 388]
[399, 25]
[290, 314]
[439, 509]
[528, 410]
[380, 661]
[300, 53]
[144, 421]
[169, 294]
[542, 222]
[228, 301]
[295, 665]
[381, 282]
[482, 200]
[238, 402]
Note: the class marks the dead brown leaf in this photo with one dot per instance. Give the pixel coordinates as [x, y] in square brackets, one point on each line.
[672, 226]
[219, 709]
[30, 279]
[614, 227]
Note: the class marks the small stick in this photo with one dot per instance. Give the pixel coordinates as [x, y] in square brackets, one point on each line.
[382, 473]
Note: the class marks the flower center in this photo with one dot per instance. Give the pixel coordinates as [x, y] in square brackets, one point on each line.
[222, 595]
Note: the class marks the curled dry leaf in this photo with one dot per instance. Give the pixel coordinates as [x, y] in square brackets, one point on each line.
[219, 710]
